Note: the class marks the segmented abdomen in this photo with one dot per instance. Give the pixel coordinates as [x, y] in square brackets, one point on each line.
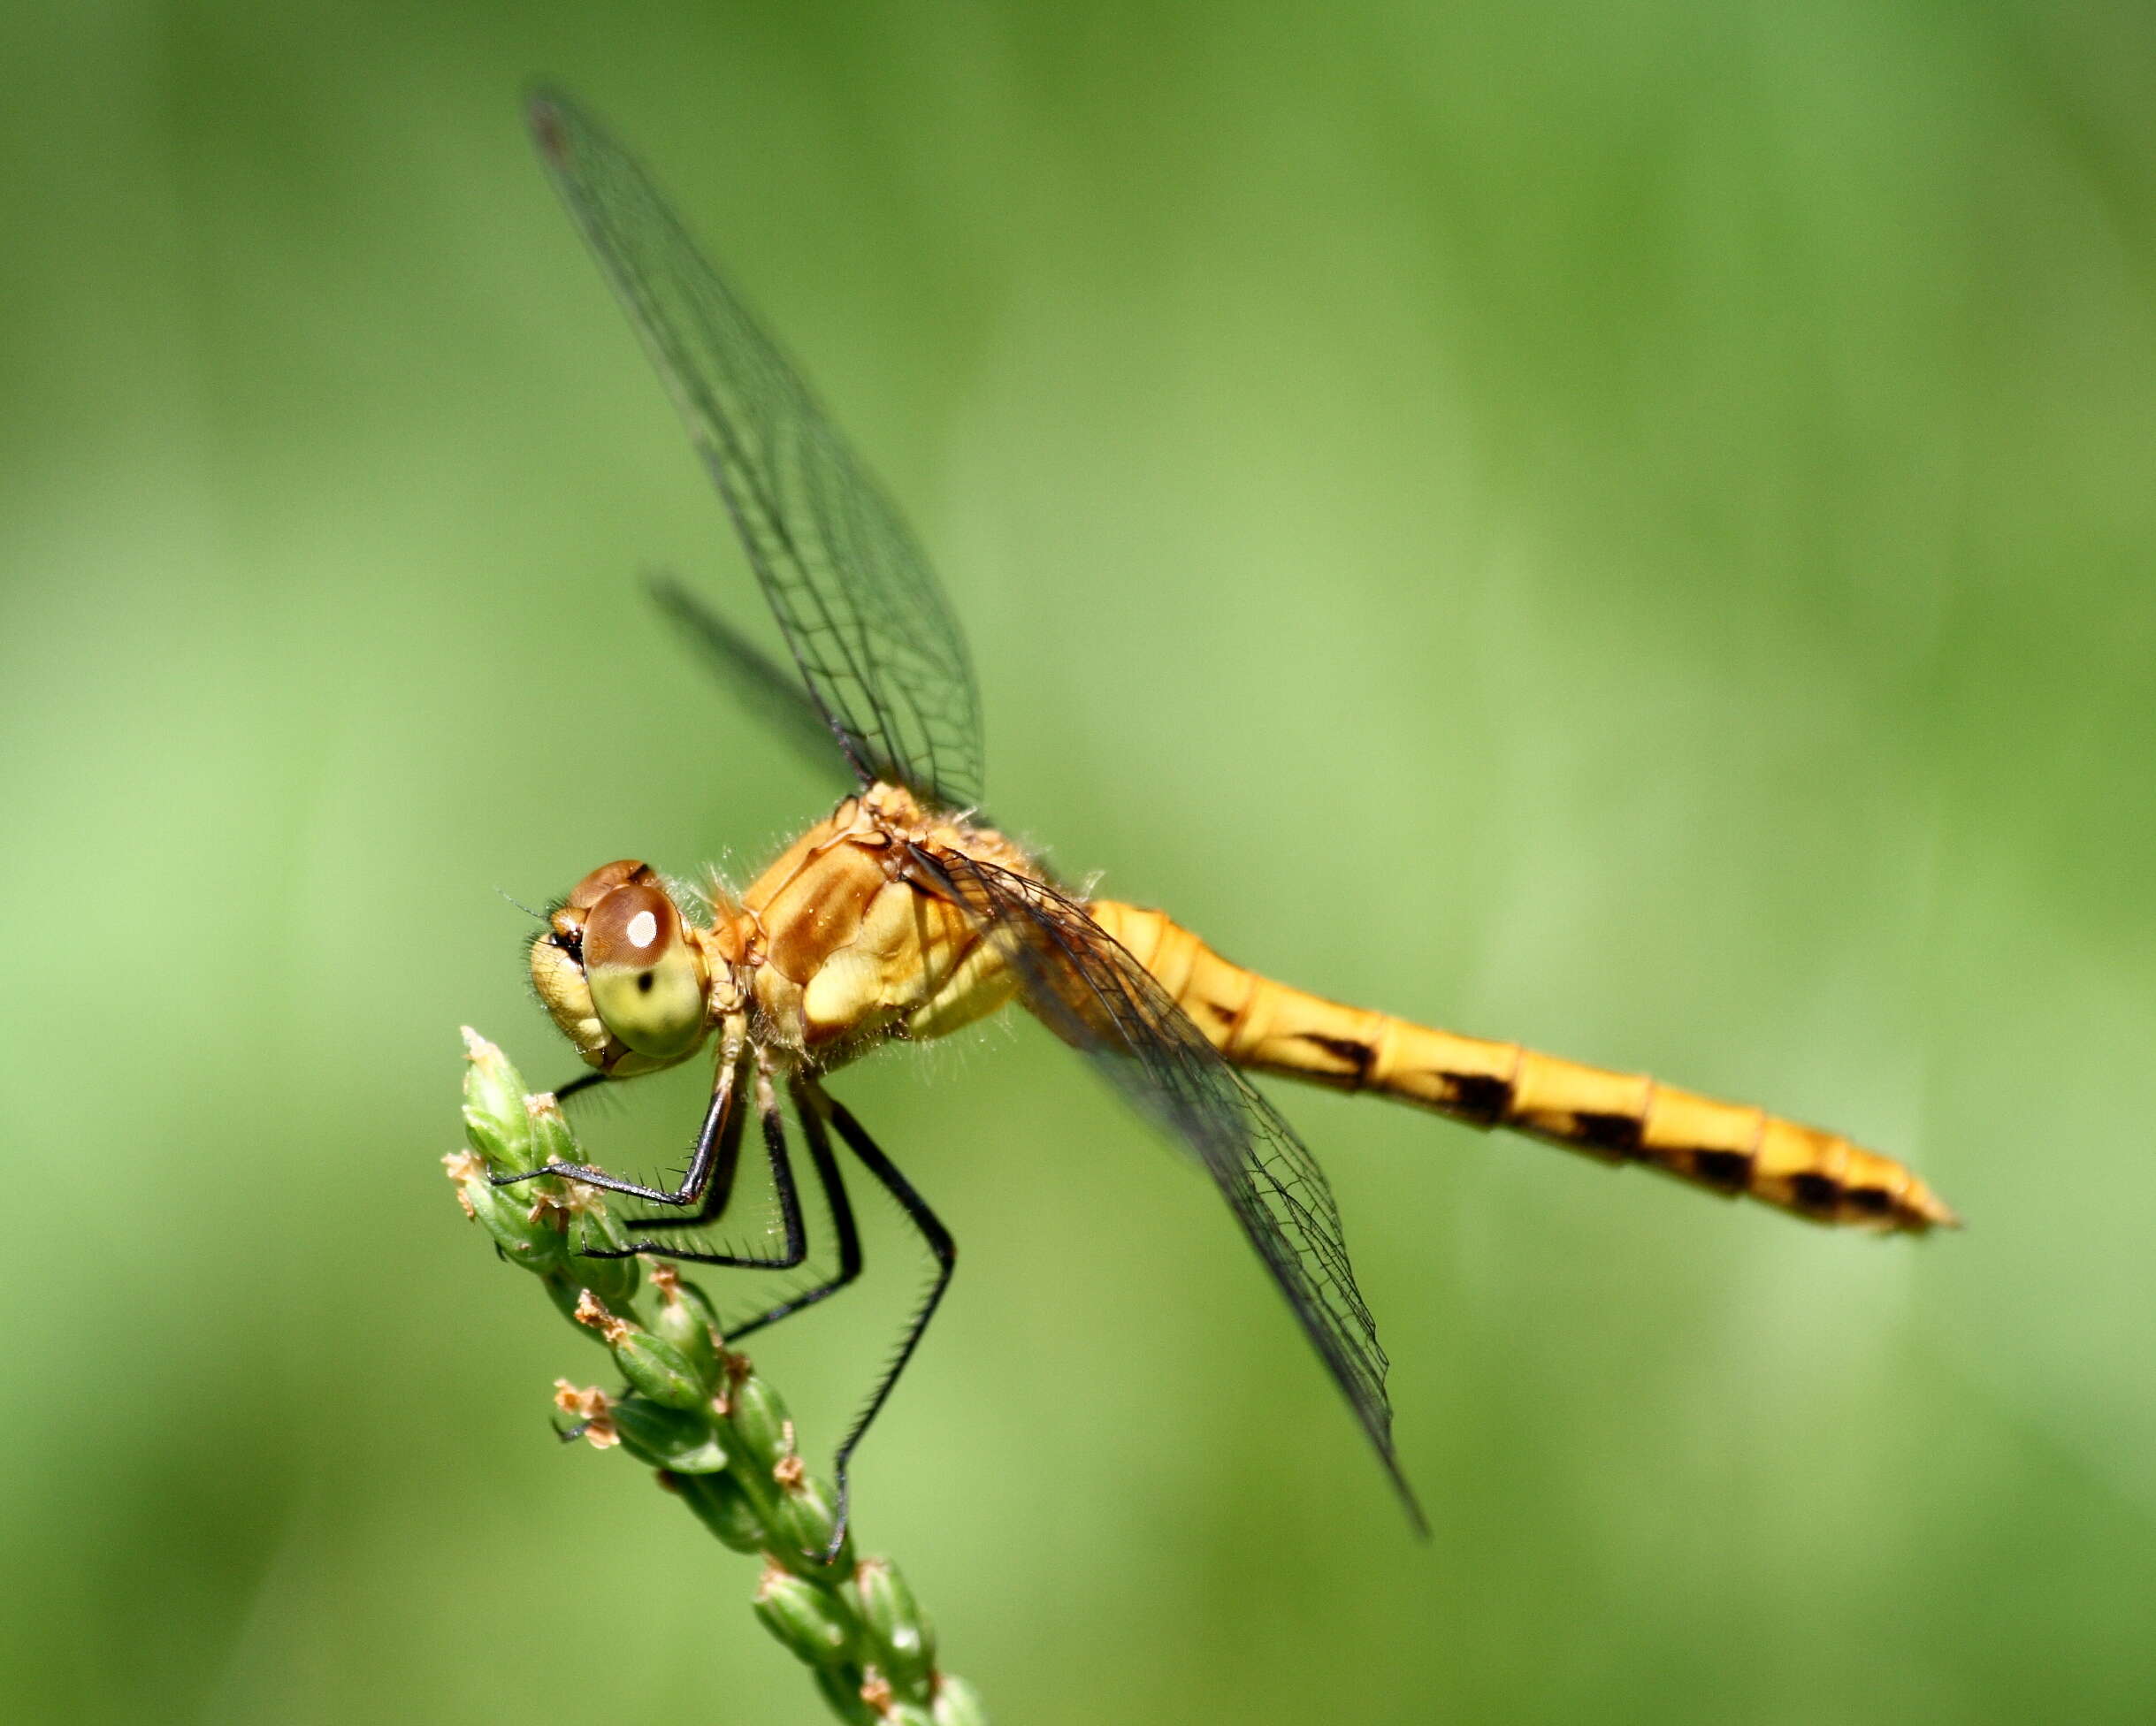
[1618, 1116]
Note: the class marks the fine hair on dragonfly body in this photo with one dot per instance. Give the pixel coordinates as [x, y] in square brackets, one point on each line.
[904, 915]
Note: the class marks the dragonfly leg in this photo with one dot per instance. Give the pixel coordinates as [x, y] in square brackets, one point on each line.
[942, 1247]
[796, 1247]
[583, 1081]
[841, 1208]
[704, 1161]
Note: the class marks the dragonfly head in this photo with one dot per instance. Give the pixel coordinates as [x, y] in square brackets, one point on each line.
[621, 973]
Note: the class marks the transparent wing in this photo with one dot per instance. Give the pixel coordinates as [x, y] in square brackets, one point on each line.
[859, 608]
[766, 689]
[1088, 988]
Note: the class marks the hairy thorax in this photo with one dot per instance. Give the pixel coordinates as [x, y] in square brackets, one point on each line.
[844, 946]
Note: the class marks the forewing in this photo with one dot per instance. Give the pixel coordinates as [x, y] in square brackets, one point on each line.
[859, 608]
[1088, 988]
[767, 689]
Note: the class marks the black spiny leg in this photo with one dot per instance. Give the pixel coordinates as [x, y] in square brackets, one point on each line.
[795, 1247]
[583, 1081]
[702, 1161]
[941, 1247]
[842, 1223]
[699, 1165]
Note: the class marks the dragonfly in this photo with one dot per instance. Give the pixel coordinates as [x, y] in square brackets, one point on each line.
[904, 915]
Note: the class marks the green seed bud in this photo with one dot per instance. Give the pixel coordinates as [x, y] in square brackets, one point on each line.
[614, 1280]
[811, 1621]
[680, 1321]
[757, 1413]
[552, 1142]
[580, 1211]
[576, 1211]
[658, 1369]
[695, 1297]
[725, 1509]
[671, 1438]
[505, 1214]
[653, 1367]
[495, 1118]
[957, 1704]
[611, 1282]
[804, 1521]
[841, 1686]
[904, 1641]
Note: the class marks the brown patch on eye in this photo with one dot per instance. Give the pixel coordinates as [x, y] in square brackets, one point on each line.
[608, 876]
[607, 930]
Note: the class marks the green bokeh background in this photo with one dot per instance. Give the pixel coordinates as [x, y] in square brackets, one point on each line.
[1624, 526]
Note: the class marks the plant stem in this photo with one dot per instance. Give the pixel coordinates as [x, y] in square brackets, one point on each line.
[718, 1435]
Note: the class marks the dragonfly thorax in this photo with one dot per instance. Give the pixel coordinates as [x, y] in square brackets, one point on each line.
[848, 943]
[628, 982]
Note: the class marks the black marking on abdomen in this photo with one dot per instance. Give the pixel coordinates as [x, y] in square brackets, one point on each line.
[1481, 1097]
[1819, 1195]
[1730, 1171]
[1607, 1132]
[1357, 1055]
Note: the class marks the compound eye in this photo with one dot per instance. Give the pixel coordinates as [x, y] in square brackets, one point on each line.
[603, 880]
[646, 976]
[557, 972]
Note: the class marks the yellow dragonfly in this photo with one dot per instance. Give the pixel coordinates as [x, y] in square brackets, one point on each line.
[904, 914]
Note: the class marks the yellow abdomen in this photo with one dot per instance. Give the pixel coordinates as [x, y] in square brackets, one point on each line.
[1620, 1117]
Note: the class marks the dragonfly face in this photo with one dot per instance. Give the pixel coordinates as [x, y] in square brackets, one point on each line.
[902, 915]
[624, 977]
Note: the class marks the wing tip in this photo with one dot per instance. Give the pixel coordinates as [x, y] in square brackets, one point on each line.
[1415, 1518]
[549, 111]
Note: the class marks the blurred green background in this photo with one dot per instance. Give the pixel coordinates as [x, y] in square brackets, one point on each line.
[1624, 526]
